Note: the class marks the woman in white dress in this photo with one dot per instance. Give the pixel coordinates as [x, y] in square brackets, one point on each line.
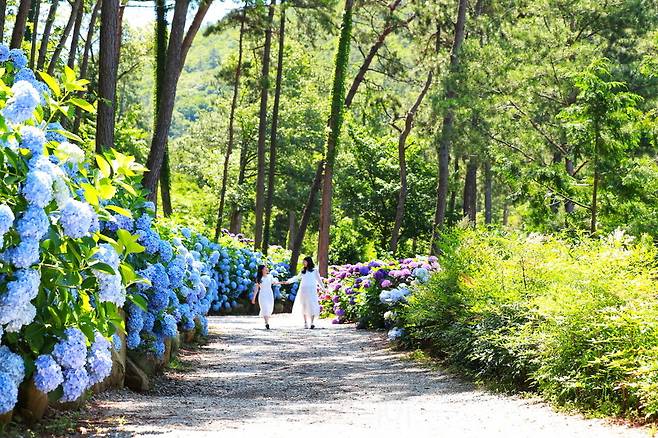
[306, 302]
[263, 291]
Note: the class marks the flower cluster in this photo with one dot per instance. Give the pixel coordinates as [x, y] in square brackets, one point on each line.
[367, 292]
[12, 372]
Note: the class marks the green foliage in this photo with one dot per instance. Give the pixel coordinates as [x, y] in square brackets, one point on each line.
[571, 319]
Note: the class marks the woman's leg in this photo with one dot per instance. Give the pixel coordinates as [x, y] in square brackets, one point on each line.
[312, 319]
[305, 321]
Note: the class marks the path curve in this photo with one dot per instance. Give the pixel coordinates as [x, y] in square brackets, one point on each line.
[334, 382]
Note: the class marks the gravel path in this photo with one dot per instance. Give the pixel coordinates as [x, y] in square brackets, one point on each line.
[334, 381]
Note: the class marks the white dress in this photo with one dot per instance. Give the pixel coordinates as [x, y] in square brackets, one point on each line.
[266, 296]
[306, 301]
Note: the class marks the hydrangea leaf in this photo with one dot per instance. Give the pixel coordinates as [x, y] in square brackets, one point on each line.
[51, 82]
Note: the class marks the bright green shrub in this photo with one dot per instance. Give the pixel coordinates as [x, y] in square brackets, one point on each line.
[575, 320]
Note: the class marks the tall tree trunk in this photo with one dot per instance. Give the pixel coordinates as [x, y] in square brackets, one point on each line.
[556, 200]
[488, 183]
[20, 23]
[85, 58]
[446, 131]
[262, 130]
[470, 190]
[65, 36]
[75, 38]
[333, 139]
[308, 207]
[160, 63]
[231, 127]
[107, 74]
[35, 32]
[389, 26]
[306, 217]
[505, 214]
[3, 13]
[453, 193]
[569, 206]
[45, 37]
[402, 148]
[292, 227]
[273, 132]
[595, 187]
[236, 214]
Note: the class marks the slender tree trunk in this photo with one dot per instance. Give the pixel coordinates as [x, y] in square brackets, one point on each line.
[75, 38]
[389, 26]
[595, 188]
[107, 74]
[402, 148]
[333, 139]
[308, 207]
[275, 119]
[569, 206]
[3, 13]
[178, 46]
[231, 128]
[45, 37]
[470, 190]
[236, 215]
[85, 58]
[262, 130]
[65, 36]
[453, 193]
[505, 214]
[488, 183]
[556, 200]
[446, 131]
[35, 32]
[292, 227]
[20, 23]
[306, 217]
[160, 63]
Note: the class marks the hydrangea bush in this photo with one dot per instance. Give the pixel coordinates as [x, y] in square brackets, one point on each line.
[81, 258]
[371, 292]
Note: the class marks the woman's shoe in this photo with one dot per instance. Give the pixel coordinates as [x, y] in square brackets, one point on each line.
[312, 326]
[305, 325]
[267, 326]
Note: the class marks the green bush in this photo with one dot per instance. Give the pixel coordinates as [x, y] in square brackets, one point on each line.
[574, 320]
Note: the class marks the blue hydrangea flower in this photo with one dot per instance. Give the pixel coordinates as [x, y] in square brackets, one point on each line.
[111, 289]
[123, 222]
[4, 53]
[48, 374]
[159, 348]
[135, 321]
[6, 219]
[25, 254]
[99, 360]
[71, 352]
[150, 240]
[149, 321]
[166, 251]
[108, 255]
[76, 218]
[20, 107]
[33, 224]
[186, 232]
[53, 135]
[38, 188]
[8, 394]
[133, 340]
[117, 343]
[33, 139]
[11, 364]
[148, 205]
[169, 326]
[25, 74]
[144, 222]
[76, 382]
[17, 56]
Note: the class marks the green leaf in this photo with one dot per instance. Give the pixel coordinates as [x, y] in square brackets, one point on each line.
[127, 273]
[51, 82]
[121, 211]
[103, 166]
[104, 267]
[139, 301]
[91, 194]
[35, 336]
[127, 187]
[82, 104]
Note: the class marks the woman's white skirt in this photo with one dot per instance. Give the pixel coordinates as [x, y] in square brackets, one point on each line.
[306, 302]
[266, 302]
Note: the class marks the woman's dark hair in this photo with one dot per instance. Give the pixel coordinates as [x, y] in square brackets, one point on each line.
[259, 274]
[310, 266]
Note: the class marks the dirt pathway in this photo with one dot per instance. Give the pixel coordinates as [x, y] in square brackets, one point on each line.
[334, 382]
